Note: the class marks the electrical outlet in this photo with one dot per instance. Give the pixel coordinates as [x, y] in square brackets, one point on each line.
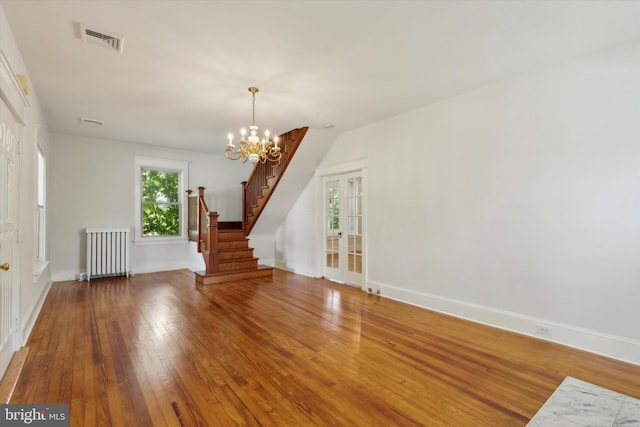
[543, 331]
[378, 292]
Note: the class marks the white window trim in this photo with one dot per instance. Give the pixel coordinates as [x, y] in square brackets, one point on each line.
[181, 166]
[40, 214]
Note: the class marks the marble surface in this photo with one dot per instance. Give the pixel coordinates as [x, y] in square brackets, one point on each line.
[577, 403]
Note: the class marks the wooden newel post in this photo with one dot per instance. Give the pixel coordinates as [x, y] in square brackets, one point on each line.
[212, 243]
[201, 217]
[193, 210]
[244, 206]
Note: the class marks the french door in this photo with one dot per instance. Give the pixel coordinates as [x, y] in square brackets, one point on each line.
[343, 228]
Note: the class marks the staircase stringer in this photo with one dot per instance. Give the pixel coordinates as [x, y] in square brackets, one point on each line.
[264, 179]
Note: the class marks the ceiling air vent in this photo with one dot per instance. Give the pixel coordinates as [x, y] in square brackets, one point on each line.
[101, 38]
[91, 122]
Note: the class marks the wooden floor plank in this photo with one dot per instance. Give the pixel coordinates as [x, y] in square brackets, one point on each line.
[153, 350]
[12, 374]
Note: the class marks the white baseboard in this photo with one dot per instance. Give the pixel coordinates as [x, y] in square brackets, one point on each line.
[267, 261]
[64, 275]
[30, 319]
[161, 266]
[302, 269]
[623, 349]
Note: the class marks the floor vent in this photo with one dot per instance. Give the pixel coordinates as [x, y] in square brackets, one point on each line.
[102, 38]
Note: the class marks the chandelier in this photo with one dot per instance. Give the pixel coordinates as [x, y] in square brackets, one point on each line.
[252, 147]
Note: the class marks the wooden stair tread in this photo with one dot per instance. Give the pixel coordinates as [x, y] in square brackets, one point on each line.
[230, 238]
[249, 258]
[262, 271]
[225, 273]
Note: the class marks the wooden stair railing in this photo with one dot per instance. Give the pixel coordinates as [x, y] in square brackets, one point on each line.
[264, 178]
[203, 229]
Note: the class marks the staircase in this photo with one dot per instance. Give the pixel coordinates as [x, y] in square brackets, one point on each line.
[235, 260]
[224, 244]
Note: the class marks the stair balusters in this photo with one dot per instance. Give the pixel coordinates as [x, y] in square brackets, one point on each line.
[264, 178]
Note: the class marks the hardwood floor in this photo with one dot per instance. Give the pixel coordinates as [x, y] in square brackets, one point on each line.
[153, 350]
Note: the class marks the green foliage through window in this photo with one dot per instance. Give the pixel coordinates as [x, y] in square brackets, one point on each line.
[160, 203]
[334, 208]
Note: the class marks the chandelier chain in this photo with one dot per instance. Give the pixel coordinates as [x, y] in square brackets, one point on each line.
[253, 115]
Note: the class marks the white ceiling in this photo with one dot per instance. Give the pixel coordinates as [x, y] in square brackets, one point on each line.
[182, 77]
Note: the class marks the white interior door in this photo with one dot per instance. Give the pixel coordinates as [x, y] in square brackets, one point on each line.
[343, 228]
[10, 134]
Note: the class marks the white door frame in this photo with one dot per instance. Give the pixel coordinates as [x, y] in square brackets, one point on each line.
[325, 171]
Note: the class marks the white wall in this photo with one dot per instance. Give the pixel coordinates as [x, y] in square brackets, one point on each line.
[292, 201]
[515, 205]
[34, 280]
[92, 185]
[293, 243]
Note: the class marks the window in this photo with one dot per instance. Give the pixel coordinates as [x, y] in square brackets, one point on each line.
[40, 211]
[160, 200]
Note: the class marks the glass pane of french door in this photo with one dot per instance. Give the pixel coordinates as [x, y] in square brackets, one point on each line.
[354, 234]
[332, 226]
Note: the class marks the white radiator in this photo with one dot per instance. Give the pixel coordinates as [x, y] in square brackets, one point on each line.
[108, 252]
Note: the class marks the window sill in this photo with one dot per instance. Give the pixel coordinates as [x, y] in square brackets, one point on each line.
[40, 266]
[146, 241]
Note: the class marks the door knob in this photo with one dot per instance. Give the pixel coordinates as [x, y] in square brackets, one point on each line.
[5, 266]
